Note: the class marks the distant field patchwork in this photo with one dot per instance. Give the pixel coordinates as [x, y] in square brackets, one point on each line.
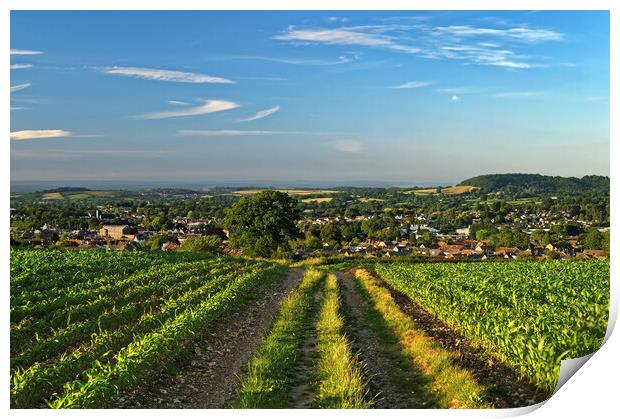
[457, 190]
[295, 192]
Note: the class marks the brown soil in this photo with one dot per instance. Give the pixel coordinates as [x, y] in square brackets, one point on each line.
[211, 379]
[383, 373]
[506, 388]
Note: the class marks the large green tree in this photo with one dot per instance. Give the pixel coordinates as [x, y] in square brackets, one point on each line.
[263, 224]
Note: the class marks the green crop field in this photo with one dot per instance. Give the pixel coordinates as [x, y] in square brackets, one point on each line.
[92, 329]
[528, 315]
[86, 325]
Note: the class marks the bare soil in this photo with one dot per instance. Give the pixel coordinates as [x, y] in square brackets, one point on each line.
[212, 377]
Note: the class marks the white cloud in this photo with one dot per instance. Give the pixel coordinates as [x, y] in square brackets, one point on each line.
[489, 44]
[36, 134]
[178, 103]
[164, 75]
[334, 19]
[476, 45]
[228, 133]
[483, 55]
[261, 114]
[19, 87]
[343, 59]
[20, 66]
[412, 85]
[520, 33]
[210, 106]
[369, 36]
[25, 52]
[516, 95]
[462, 90]
[247, 133]
[347, 146]
[455, 98]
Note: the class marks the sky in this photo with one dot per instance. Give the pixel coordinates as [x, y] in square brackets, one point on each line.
[340, 97]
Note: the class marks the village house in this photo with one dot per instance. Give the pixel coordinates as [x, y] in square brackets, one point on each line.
[117, 232]
[593, 254]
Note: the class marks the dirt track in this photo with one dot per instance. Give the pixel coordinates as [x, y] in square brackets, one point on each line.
[212, 377]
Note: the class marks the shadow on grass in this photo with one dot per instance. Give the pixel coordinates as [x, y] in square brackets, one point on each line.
[412, 385]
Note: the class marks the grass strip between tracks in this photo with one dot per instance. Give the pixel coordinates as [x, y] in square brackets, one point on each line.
[341, 381]
[269, 378]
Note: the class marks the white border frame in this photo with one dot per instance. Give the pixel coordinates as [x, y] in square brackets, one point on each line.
[592, 392]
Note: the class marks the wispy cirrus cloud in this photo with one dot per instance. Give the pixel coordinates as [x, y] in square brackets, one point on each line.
[520, 33]
[41, 133]
[336, 19]
[368, 36]
[248, 133]
[347, 146]
[178, 103]
[25, 52]
[412, 85]
[478, 45]
[20, 66]
[462, 90]
[517, 95]
[485, 56]
[209, 106]
[342, 59]
[165, 75]
[457, 92]
[261, 114]
[229, 133]
[18, 87]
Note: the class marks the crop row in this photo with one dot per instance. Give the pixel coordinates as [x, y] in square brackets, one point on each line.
[84, 310]
[31, 385]
[528, 315]
[154, 352]
[120, 315]
[134, 290]
[43, 269]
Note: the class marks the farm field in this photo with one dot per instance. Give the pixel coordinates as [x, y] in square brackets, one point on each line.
[186, 330]
[458, 190]
[528, 315]
[428, 191]
[75, 196]
[85, 326]
[452, 190]
[294, 192]
[317, 200]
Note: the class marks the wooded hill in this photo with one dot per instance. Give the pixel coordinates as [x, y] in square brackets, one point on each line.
[535, 184]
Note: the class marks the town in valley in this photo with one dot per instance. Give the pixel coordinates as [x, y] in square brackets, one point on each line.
[445, 223]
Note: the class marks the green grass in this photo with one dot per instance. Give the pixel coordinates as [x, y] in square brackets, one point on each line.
[270, 372]
[340, 377]
[454, 386]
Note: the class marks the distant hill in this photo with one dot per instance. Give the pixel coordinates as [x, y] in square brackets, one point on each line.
[520, 183]
[66, 189]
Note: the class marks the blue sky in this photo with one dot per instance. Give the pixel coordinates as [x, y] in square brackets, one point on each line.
[403, 97]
